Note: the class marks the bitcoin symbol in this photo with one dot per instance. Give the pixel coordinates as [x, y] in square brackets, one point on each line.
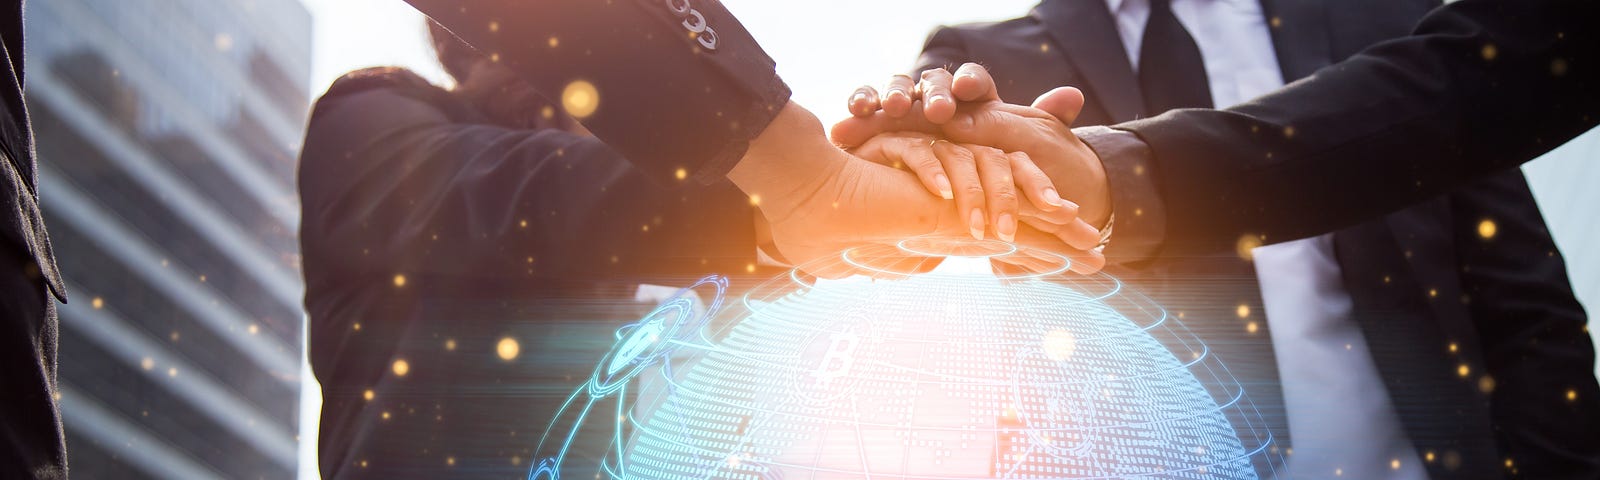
[836, 362]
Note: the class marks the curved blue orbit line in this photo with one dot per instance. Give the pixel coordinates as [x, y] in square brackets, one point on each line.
[654, 339]
[602, 385]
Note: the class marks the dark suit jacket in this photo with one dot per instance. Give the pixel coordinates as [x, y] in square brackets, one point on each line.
[21, 228]
[681, 84]
[1477, 87]
[424, 223]
[31, 444]
[1431, 293]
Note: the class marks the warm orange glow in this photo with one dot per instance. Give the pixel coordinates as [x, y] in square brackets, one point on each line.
[580, 99]
[1486, 229]
[508, 348]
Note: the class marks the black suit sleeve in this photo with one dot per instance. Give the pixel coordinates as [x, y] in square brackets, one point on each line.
[945, 48]
[1480, 85]
[680, 83]
[1535, 345]
[391, 186]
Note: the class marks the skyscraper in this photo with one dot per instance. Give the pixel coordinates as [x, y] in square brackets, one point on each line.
[166, 132]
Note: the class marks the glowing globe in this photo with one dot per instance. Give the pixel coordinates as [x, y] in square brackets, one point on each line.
[937, 359]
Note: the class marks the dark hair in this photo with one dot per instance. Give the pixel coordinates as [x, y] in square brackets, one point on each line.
[454, 55]
[491, 88]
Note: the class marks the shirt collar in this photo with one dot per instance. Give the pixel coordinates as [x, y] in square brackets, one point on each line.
[1115, 5]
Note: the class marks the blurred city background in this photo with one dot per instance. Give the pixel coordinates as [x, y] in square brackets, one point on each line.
[167, 135]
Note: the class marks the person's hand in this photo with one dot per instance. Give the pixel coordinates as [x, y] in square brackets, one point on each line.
[936, 94]
[819, 200]
[1041, 130]
[984, 178]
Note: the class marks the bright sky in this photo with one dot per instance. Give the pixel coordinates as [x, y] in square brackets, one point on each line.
[822, 56]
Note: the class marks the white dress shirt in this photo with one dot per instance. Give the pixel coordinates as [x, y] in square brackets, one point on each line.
[1340, 417]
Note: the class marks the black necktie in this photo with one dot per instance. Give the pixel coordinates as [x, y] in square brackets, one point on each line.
[1222, 292]
[1171, 72]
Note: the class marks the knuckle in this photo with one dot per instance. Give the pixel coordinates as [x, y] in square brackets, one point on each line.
[1039, 176]
[1002, 186]
[921, 159]
[955, 153]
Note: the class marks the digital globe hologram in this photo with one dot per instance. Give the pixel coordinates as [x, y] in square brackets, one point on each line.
[938, 359]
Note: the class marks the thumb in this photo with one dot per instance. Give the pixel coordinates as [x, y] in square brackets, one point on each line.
[1062, 102]
[994, 125]
[855, 131]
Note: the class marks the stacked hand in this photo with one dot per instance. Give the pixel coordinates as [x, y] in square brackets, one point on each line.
[976, 159]
[993, 149]
[819, 199]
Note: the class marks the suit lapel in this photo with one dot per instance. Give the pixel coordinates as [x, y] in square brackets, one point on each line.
[1425, 235]
[1299, 36]
[1086, 33]
[1418, 240]
[1439, 411]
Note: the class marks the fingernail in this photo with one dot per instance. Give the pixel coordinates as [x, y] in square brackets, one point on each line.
[975, 223]
[938, 99]
[898, 93]
[1007, 228]
[943, 183]
[1051, 197]
[858, 98]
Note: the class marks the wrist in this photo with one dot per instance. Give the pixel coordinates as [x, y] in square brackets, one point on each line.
[1129, 169]
[1081, 178]
[1098, 208]
[787, 162]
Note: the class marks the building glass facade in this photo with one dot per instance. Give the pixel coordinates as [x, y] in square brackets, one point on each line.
[167, 133]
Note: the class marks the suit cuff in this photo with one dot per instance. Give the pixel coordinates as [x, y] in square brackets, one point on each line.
[773, 95]
[1135, 200]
